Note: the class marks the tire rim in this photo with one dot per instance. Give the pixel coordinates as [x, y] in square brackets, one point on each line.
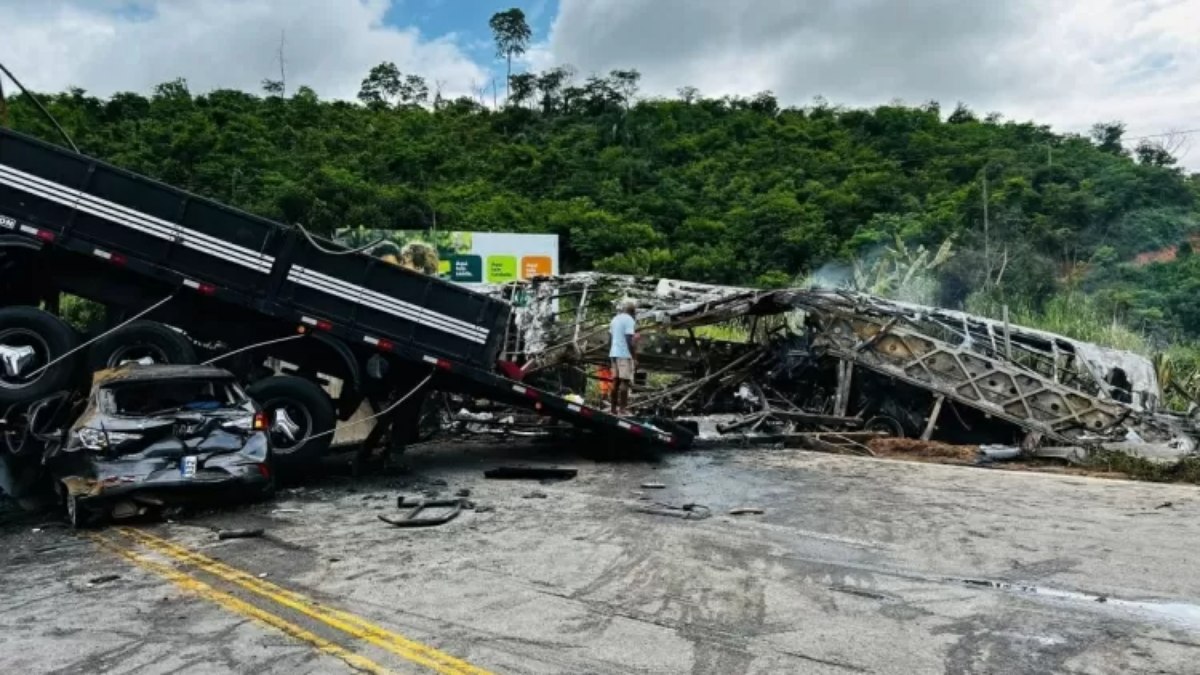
[145, 354]
[293, 414]
[889, 425]
[16, 339]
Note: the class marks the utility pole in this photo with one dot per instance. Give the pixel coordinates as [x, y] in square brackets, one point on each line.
[987, 239]
[282, 67]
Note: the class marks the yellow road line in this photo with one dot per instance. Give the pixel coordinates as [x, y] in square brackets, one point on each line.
[237, 606]
[348, 623]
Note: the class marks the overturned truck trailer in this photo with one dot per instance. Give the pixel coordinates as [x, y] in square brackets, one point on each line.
[833, 359]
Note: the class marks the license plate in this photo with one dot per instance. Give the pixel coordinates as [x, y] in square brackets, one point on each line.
[187, 467]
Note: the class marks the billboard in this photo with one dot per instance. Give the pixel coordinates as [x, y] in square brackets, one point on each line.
[462, 257]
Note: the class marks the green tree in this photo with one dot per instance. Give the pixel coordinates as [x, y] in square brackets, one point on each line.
[1107, 136]
[522, 87]
[736, 190]
[512, 36]
[381, 85]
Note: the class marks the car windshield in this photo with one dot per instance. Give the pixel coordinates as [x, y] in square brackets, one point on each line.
[162, 396]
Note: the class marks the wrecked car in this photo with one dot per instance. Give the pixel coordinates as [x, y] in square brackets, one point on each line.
[150, 437]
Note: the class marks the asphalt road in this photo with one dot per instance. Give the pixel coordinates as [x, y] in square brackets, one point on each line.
[856, 566]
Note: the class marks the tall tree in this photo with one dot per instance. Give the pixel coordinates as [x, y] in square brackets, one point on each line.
[385, 85]
[523, 87]
[381, 85]
[550, 83]
[625, 83]
[512, 35]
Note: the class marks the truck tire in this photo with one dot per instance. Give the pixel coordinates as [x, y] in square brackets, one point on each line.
[296, 409]
[27, 328]
[142, 339]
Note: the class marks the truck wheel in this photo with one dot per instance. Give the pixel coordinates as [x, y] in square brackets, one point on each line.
[296, 409]
[144, 342]
[29, 340]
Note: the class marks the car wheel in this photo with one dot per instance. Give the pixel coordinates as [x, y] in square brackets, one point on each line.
[296, 410]
[30, 339]
[79, 516]
[142, 342]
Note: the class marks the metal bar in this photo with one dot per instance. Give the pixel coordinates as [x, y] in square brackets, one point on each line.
[845, 377]
[933, 416]
[1007, 336]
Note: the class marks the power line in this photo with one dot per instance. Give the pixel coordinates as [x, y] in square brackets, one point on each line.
[1165, 133]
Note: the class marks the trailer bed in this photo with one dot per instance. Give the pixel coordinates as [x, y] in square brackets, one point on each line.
[76, 203]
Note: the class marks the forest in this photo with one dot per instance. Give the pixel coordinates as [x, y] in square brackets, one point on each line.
[983, 211]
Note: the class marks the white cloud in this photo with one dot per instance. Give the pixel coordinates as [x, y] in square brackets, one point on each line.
[109, 45]
[1068, 63]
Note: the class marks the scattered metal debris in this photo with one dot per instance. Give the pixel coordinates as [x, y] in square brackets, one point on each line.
[999, 452]
[414, 518]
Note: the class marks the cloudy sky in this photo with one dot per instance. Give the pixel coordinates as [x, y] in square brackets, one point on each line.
[1068, 63]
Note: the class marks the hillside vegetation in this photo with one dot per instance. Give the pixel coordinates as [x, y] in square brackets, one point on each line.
[731, 190]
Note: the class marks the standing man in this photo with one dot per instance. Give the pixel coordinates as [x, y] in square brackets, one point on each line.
[623, 354]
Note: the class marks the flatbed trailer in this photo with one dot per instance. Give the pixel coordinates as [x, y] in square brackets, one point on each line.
[72, 224]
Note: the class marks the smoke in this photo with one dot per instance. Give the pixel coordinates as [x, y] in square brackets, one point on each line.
[832, 275]
[894, 271]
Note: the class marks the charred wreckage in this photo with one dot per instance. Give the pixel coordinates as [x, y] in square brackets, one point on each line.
[741, 363]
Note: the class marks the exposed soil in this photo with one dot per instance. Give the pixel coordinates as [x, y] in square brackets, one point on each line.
[911, 448]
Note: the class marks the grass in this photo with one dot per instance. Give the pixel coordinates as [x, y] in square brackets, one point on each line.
[729, 332]
[1186, 470]
[1071, 313]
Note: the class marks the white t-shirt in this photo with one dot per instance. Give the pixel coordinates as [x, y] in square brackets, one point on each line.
[622, 325]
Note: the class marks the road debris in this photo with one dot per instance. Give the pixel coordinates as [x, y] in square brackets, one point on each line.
[999, 452]
[530, 473]
[685, 512]
[415, 517]
[240, 534]
[653, 486]
[103, 579]
[536, 494]
[746, 511]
